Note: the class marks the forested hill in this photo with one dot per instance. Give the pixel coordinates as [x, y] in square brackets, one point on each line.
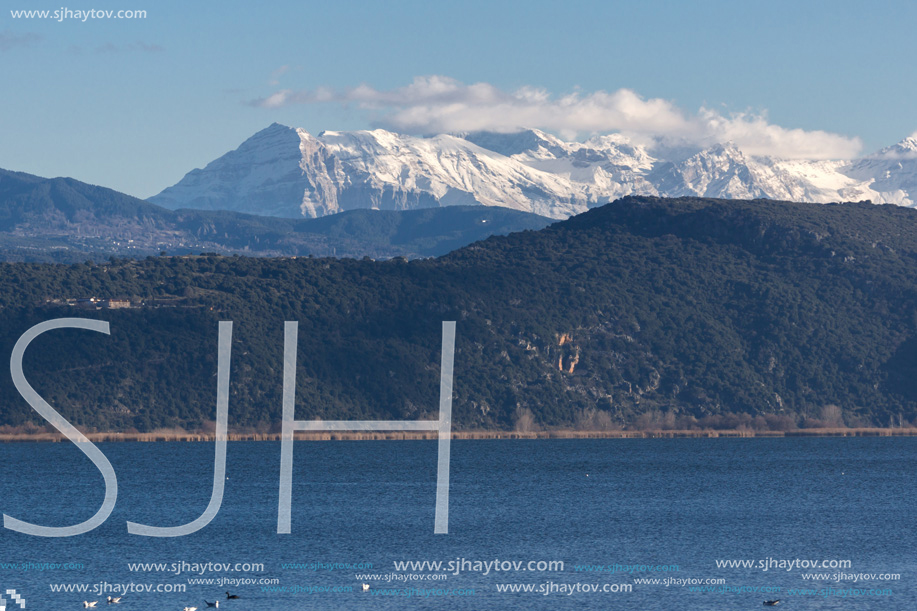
[644, 312]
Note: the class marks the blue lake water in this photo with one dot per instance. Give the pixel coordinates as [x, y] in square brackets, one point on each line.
[643, 503]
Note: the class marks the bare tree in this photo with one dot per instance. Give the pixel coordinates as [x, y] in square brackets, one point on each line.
[584, 420]
[832, 416]
[525, 420]
[603, 421]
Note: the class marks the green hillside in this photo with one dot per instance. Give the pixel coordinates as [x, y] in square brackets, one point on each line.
[644, 312]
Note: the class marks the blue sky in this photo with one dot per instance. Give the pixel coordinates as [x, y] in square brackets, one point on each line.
[134, 104]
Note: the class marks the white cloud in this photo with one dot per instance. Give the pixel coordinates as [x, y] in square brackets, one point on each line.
[756, 136]
[10, 39]
[276, 74]
[436, 104]
[149, 48]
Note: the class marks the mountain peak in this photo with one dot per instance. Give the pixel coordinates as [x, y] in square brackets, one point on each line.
[728, 148]
[275, 127]
[905, 149]
[909, 144]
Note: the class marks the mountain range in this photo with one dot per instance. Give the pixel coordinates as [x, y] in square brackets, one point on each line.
[65, 220]
[288, 172]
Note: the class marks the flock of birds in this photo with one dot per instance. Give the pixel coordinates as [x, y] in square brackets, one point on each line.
[216, 603]
[117, 600]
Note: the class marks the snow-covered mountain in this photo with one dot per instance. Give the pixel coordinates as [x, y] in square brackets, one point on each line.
[283, 171]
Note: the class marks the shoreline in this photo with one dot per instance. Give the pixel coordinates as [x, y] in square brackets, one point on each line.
[463, 435]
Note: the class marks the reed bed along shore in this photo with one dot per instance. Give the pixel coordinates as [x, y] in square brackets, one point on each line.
[461, 435]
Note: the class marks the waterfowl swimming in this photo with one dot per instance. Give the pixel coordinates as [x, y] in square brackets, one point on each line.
[87, 605]
[190, 609]
[215, 603]
[114, 601]
[230, 596]
[365, 586]
[771, 603]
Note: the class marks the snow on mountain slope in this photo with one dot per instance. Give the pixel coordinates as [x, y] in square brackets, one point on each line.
[724, 171]
[283, 171]
[263, 174]
[891, 173]
[605, 167]
[451, 171]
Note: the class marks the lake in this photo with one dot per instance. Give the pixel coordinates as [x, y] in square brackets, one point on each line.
[617, 513]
